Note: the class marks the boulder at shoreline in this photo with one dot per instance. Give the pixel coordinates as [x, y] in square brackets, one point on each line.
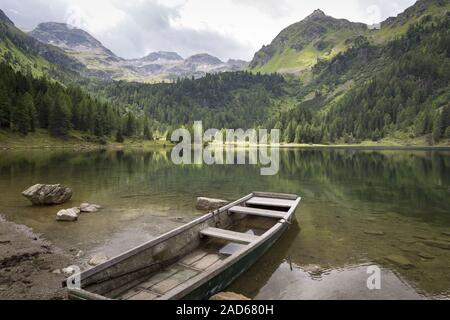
[89, 208]
[69, 215]
[48, 194]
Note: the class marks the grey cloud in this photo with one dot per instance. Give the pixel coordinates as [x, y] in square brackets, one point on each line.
[387, 8]
[145, 28]
[29, 13]
[273, 8]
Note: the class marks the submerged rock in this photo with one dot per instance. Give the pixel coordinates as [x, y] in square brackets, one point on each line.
[209, 204]
[229, 296]
[374, 233]
[446, 234]
[426, 256]
[89, 208]
[68, 215]
[313, 269]
[400, 261]
[98, 260]
[437, 244]
[47, 194]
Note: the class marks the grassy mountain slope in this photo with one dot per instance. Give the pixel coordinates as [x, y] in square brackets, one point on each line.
[421, 12]
[319, 37]
[26, 54]
[299, 46]
[399, 89]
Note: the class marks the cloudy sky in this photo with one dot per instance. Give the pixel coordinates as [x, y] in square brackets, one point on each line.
[224, 28]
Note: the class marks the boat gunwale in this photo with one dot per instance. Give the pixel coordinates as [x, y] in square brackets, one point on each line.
[151, 243]
[197, 281]
[207, 275]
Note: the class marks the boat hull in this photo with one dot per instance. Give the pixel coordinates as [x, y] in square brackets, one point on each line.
[234, 271]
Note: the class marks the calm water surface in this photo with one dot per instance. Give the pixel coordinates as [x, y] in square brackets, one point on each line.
[347, 197]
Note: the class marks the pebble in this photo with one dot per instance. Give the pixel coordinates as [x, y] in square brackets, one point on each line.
[98, 259]
[79, 254]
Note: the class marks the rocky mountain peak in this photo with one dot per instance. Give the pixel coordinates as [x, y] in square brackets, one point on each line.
[203, 58]
[63, 34]
[317, 14]
[162, 55]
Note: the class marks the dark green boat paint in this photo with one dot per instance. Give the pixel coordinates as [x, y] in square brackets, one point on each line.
[226, 277]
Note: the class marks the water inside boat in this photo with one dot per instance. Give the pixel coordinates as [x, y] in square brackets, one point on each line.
[204, 255]
[209, 254]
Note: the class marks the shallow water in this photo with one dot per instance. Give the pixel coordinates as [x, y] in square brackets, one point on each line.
[349, 197]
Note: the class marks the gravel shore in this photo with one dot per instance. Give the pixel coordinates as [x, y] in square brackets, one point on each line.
[27, 263]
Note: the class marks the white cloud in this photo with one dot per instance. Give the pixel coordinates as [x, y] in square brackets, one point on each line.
[225, 28]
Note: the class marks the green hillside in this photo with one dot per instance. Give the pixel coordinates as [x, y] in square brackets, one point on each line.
[355, 86]
[299, 46]
[28, 55]
[319, 37]
[370, 92]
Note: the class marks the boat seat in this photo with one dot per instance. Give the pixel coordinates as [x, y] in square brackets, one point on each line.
[237, 237]
[258, 212]
[271, 202]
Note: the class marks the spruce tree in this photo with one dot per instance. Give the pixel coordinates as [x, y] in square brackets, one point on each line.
[147, 133]
[119, 135]
[130, 128]
[20, 115]
[5, 107]
[60, 116]
[298, 134]
[32, 114]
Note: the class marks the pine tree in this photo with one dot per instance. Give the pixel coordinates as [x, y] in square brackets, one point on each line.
[20, 115]
[32, 114]
[298, 134]
[5, 107]
[119, 135]
[130, 127]
[45, 105]
[438, 129]
[60, 116]
[147, 133]
[289, 134]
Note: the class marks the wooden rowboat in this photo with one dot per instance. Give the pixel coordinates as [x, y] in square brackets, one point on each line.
[196, 260]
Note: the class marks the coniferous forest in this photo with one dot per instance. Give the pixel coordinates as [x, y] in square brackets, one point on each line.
[400, 86]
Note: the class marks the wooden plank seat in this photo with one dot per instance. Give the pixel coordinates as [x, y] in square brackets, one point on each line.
[232, 236]
[258, 212]
[271, 202]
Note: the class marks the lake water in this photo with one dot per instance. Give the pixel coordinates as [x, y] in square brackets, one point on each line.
[359, 207]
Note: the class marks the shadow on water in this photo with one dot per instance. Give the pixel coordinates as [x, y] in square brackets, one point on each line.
[257, 276]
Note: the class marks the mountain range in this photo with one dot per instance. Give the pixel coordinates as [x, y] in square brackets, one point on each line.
[102, 62]
[321, 80]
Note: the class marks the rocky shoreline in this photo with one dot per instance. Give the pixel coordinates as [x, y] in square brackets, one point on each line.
[27, 264]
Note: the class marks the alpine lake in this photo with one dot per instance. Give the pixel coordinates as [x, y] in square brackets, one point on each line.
[360, 208]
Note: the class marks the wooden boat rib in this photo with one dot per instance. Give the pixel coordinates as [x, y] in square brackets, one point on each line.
[196, 260]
